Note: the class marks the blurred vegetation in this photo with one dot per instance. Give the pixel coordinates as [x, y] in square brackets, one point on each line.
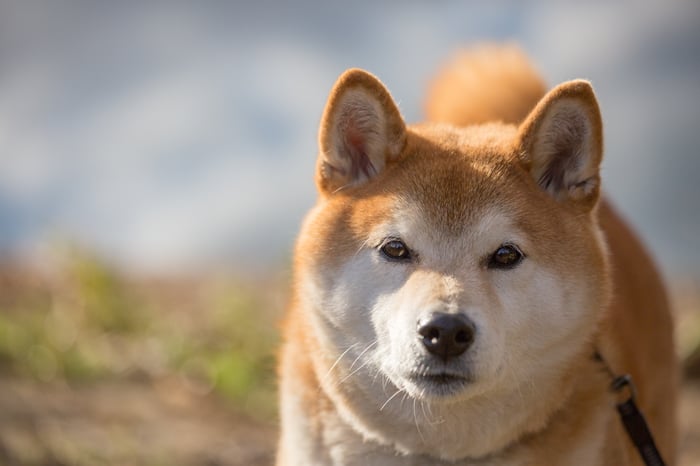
[99, 367]
[85, 322]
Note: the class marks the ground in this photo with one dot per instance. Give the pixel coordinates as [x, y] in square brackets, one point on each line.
[97, 368]
[164, 423]
[125, 423]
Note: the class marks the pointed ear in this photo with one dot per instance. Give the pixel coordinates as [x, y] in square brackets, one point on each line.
[361, 130]
[561, 142]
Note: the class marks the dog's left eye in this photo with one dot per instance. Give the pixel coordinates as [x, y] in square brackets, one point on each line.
[506, 256]
[395, 249]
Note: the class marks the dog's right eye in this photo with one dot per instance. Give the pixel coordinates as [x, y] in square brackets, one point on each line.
[507, 256]
[395, 249]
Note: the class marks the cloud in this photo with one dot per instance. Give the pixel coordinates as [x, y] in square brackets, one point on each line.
[170, 136]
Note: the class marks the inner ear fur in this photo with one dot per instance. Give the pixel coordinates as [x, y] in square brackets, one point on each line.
[561, 142]
[361, 130]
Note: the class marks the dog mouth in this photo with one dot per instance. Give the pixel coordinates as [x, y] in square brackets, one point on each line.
[439, 384]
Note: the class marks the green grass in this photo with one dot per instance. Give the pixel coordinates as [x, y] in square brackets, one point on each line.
[90, 323]
[87, 322]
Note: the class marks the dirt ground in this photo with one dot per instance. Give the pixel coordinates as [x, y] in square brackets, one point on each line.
[125, 423]
[162, 423]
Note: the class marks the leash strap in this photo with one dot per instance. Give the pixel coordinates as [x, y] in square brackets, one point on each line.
[635, 424]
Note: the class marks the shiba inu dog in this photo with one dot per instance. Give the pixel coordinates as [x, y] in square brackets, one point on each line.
[456, 278]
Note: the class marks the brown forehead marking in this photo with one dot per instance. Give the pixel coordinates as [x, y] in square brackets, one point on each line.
[453, 177]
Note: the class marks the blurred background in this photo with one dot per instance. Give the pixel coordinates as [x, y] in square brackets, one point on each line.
[156, 159]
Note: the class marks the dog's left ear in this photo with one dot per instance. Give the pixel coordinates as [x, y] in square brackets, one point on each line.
[561, 143]
[361, 130]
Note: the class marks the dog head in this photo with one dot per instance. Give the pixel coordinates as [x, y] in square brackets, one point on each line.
[450, 266]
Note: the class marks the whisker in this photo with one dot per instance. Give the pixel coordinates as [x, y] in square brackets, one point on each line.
[385, 382]
[390, 398]
[362, 353]
[430, 418]
[362, 246]
[415, 419]
[422, 408]
[377, 373]
[338, 360]
[354, 372]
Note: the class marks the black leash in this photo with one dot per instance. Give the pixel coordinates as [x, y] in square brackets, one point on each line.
[632, 418]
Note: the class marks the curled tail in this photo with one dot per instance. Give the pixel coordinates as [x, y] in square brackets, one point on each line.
[483, 84]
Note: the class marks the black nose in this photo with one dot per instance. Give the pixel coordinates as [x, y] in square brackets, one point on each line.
[446, 335]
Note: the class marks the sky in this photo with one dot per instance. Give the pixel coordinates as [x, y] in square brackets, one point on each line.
[168, 135]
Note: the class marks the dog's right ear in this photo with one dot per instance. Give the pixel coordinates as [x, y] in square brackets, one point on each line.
[361, 130]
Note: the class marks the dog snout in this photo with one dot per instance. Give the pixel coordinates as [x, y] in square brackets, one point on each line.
[446, 335]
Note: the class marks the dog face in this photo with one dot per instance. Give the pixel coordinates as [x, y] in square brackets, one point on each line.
[447, 266]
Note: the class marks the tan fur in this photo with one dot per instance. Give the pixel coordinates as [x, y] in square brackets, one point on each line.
[474, 87]
[536, 395]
